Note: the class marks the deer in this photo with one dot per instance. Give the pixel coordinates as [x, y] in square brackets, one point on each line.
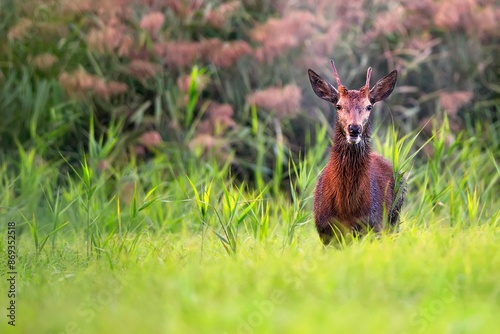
[355, 192]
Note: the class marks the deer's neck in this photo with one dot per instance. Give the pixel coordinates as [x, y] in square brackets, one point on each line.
[350, 163]
[346, 178]
[351, 155]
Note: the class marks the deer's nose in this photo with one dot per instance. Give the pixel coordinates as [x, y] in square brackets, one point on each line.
[354, 130]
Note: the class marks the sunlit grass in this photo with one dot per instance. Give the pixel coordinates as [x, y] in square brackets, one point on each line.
[424, 280]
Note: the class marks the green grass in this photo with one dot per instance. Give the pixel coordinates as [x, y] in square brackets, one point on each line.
[424, 280]
[176, 245]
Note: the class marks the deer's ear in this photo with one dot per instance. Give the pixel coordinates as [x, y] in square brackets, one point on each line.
[383, 88]
[322, 88]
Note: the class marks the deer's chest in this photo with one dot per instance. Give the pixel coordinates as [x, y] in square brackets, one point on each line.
[348, 196]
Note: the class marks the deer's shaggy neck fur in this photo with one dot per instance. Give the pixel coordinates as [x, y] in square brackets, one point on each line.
[348, 175]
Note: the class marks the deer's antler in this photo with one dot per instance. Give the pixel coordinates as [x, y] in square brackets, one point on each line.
[368, 75]
[335, 73]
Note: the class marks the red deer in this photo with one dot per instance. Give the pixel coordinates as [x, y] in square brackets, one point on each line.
[356, 190]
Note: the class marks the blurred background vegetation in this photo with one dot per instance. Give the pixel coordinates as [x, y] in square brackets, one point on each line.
[226, 80]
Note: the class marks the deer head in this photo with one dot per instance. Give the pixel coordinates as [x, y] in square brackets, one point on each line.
[353, 106]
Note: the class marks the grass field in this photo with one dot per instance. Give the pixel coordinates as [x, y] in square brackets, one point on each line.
[170, 247]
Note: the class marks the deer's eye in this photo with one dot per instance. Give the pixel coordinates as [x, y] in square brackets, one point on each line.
[369, 107]
[338, 106]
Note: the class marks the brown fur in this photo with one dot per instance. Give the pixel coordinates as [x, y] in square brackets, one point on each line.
[355, 191]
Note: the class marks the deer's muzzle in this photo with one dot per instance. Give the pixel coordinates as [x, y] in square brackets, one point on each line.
[354, 133]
